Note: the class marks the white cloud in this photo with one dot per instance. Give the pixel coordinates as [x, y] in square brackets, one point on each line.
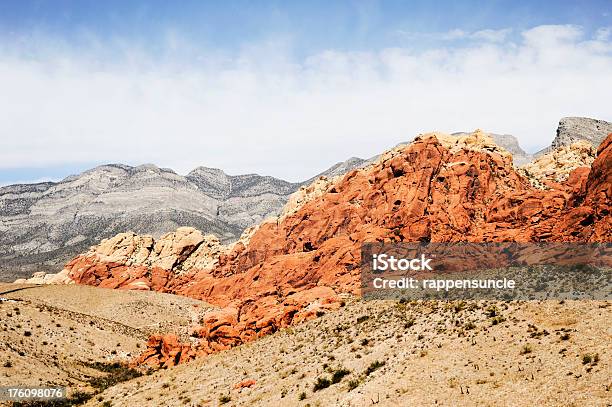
[264, 111]
[492, 35]
[603, 34]
[550, 35]
[488, 35]
[453, 35]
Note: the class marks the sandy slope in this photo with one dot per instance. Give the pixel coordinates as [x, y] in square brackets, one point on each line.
[48, 333]
[448, 354]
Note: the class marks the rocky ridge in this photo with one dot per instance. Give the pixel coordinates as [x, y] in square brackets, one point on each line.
[438, 188]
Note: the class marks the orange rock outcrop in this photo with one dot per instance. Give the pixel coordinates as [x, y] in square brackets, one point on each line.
[437, 188]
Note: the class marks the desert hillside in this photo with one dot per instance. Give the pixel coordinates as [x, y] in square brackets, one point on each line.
[76, 336]
[404, 354]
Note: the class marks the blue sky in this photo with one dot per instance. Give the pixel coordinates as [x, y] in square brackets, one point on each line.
[245, 85]
[312, 26]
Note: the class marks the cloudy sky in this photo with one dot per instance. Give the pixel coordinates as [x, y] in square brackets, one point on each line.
[285, 90]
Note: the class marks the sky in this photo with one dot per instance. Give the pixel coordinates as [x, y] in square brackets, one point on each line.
[285, 88]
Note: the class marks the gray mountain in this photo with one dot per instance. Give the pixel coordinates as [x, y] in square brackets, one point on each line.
[572, 129]
[244, 200]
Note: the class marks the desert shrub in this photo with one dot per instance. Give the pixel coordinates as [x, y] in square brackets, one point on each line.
[79, 397]
[353, 384]
[526, 349]
[302, 396]
[374, 366]
[469, 325]
[115, 373]
[492, 311]
[338, 375]
[224, 399]
[588, 358]
[458, 307]
[321, 383]
[362, 318]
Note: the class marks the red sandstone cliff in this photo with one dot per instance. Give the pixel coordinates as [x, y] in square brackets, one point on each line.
[438, 188]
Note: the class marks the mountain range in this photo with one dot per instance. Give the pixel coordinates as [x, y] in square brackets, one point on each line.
[43, 225]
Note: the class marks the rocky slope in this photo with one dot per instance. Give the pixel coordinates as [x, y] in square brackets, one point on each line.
[572, 129]
[44, 225]
[438, 188]
[556, 165]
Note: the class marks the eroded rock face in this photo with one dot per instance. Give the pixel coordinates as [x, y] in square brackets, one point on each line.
[141, 262]
[166, 351]
[438, 188]
[556, 165]
[306, 194]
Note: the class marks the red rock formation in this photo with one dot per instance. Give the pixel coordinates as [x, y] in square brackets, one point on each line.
[435, 189]
[165, 351]
[245, 383]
